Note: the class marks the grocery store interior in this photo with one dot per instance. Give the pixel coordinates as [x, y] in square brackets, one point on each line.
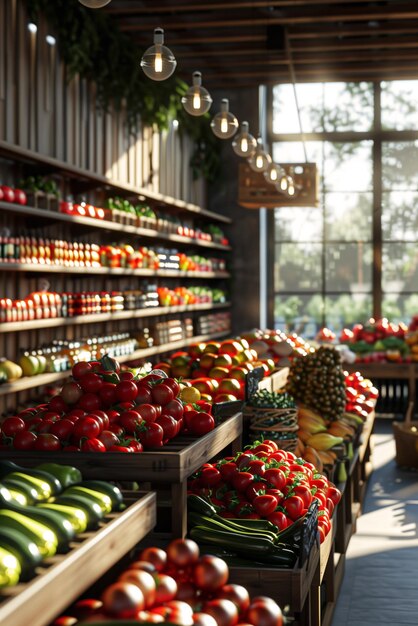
[208, 312]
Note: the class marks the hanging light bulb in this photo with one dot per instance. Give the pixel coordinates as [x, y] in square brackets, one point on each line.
[196, 101]
[272, 173]
[224, 125]
[94, 4]
[283, 182]
[260, 160]
[244, 144]
[291, 187]
[158, 62]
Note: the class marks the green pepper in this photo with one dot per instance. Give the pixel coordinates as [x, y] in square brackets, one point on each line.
[66, 474]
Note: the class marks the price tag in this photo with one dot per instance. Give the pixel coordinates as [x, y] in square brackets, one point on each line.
[251, 382]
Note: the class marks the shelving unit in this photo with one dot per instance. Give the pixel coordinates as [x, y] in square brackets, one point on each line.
[109, 271]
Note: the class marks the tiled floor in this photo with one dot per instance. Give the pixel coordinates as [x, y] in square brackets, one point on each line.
[381, 578]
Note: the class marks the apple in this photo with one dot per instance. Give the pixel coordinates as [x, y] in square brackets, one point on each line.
[218, 373]
[29, 364]
[223, 360]
[20, 196]
[8, 194]
[207, 360]
[231, 347]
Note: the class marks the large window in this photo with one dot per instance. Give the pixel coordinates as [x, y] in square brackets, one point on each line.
[355, 255]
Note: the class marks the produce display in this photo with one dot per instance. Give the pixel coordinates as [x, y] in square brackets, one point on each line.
[381, 341]
[42, 510]
[260, 483]
[317, 381]
[104, 409]
[273, 415]
[176, 585]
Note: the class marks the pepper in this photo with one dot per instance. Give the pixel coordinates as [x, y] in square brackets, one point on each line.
[65, 474]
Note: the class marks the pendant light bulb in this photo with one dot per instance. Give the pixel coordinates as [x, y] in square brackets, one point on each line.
[158, 62]
[291, 187]
[260, 160]
[283, 182]
[94, 4]
[244, 143]
[272, 174]
[197, 100]
[224, 125]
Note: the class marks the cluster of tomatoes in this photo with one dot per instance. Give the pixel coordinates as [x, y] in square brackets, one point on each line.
[104, 409]
[265, 482]
[361, 394]
[9, 194]
[178, 586]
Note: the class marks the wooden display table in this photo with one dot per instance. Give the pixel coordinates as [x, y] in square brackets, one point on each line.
[62, 578]
[170, 465]
[400, 371]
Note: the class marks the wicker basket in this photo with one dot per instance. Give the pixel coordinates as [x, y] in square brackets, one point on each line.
[281, 425]
[406, 440]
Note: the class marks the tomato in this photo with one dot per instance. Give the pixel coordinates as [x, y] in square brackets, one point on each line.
[24, 440]
[210, 476]
[303, 492]
[210, 573]
[174, 386]
[204, 619]
[262, 447]
[126, 391]
[265, 504]
[89, 402]
[86, 607]
[91, 382]
[201, 423]
[148, 412]
[228, 470]
[183, 552]
[152, 436]
[108, 439]
[293, 507]
[275, 477]
[143, 393]
[126, 375]
[255, 489]
[156, 556]
[244, 459]
[242, 480]
[166, 588]
[278, 456]
[118, 430]
[237, 594]
[123, 600]
[92, 445]
[175, 409]
[44, 426]
[57, 404]
[256, 467]
[107, 393]
[276, 493]
[13, 425]
[130, 421]
[85, 427]
[223, 610]
[330, 505]
[162, 393]
[320, 482]
[169, 426]
[47, 442]
[71, 393]
[334, 494]
[62, 429]
[322, 534]
[322, 500]
[272, 444]
[279, 519]
[144, 565]
[264, 612]
[144, 580]
[81, 369]
[119, 449]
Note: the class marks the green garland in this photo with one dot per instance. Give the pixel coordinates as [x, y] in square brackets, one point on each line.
[92, 46]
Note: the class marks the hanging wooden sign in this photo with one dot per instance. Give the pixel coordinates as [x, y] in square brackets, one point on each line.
[254, 192]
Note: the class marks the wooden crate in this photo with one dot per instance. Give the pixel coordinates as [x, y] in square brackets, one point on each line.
[170, 465]
[63, 577]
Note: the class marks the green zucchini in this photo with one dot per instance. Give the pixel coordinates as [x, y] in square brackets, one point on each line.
[25, 550]
[254, 524]
[40, 534]
[92, 510]
[9, 569]
[200, 505]
[211, 522]
[245, 544]
[28, 491]
[75, 515]
[108, 489]
[102, 499]
[8, 467]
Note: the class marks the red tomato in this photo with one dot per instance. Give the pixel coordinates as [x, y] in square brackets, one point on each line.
[12, 425]
[71, 392]
[20, 196]
[183, 552]
[265, 505]
[272, 444]
[148, 412]
[294, 507]
[303, 492]
[242, 480]
[144, 580]
[275, 477]
[119, 449]
[108, 439]
[80, 369]
[24, 440]
[204, 619]
[47, 442]
[123, 600]
[175, 409]
[201, 423]
[57, 404]
[144, 393]
[166, 588]
[126, 391]
[279, 519]
[320, 482]
[278, 456]
[224, 611]
[330, 505]
[334, 494]
[62, 429]
[210, 476]
[169, 426]
[93, 445]
[152, 436]
[162, 393]
[227, 470]
[156, 556]
[244, 459]
[91, 382]
[255, 489]
[263, 447]
[126, 375]
[237, 594]
[89, 402]
[210, 573]
[256, 467]
[322, 500]
[174, 386]
[85, 427]
[107, 393]
[130, 421]
[264, 612]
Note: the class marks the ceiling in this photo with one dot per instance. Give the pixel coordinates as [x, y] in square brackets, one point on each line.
[239, 43]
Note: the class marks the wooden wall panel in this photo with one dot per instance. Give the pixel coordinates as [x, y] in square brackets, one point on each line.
[2, 70]
[11, 76]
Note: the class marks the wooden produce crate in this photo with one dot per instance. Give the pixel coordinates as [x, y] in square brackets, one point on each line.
[276, 380]
[63, 577]
[170, 465]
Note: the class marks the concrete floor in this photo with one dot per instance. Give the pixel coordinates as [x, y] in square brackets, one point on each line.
[380, 585]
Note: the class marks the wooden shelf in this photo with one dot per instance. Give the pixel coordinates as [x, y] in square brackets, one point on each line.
[29, 382]
[108, 225]
[109, 271]
[22, 154]
[99, 318]
[62, 578]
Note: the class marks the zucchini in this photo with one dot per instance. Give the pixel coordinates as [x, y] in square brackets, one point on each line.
[28, 491]
[8, 467]
[40, 534]
[109, 489]
[25, 550]
[101, 499]
[65, 474]
[9, 569]
[91, 509]
[200, 505]
[242, 544]
[210, 522]
[75, 515]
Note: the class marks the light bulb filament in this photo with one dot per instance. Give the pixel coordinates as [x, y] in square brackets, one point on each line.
[273, 175]
[259, 162]
[244, 144]
[196, 101]
[158, 63]
[283, 184]
[224, 125]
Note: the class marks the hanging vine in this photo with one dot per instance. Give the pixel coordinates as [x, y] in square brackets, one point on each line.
[92, 46]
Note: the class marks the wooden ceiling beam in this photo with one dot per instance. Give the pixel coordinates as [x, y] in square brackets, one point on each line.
[352, 30]
[360, 44]
[216, 39]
